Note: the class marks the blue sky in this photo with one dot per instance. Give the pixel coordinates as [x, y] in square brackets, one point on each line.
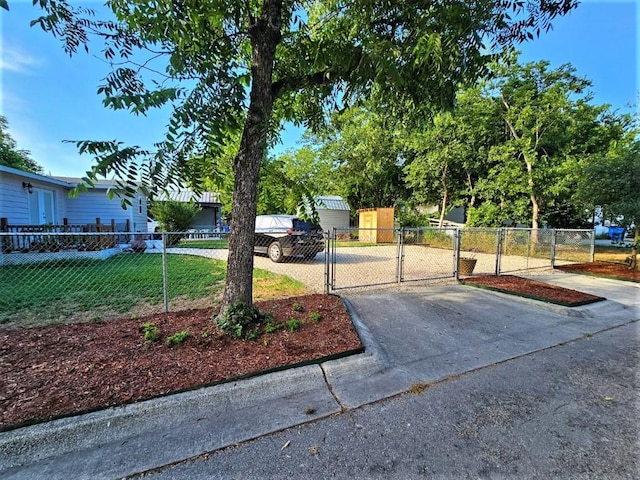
[48, 97]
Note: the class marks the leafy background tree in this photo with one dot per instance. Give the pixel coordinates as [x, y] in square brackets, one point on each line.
[612, 181]
[363, 148]
[11, 155]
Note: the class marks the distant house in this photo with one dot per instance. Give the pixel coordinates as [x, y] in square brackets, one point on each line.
[210, 215]
[333, 212]
[32, 199]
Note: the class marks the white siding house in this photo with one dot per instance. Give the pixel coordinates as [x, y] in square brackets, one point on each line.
[96, 204]
[32, 199]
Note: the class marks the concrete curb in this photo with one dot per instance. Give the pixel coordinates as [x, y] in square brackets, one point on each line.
[126, 440]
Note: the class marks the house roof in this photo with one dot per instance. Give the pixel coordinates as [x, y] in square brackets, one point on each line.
[204, 198]
[36, 177]
[73, 181]
[331, 202]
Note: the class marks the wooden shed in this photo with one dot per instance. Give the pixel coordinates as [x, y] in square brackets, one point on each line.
[381, 223]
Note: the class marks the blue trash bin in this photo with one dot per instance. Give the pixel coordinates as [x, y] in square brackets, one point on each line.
[616, 234]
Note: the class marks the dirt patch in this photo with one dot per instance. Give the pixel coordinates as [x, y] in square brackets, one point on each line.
[603, 269]
[61, 370]
[527, 288]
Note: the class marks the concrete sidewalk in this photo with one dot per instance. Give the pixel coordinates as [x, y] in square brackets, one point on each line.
[415, 335]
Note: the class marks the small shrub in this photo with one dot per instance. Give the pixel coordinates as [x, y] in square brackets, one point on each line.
[150, 331]
[242, 321]
[297, 307]
[293, 325]
[315, 317]
[178, 338]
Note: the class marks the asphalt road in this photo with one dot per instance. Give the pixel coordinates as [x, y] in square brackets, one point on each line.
[570, 411]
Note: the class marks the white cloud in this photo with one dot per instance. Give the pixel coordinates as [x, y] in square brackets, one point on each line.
[15, 60]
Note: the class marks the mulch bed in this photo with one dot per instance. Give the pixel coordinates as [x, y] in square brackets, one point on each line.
[524, 287]
[61, 370]
[616, 271]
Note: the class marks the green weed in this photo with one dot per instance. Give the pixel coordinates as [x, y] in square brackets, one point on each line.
[292, 324]
[178, 338]
[150, 331]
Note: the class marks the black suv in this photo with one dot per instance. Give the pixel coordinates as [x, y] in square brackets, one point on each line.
[281, 236]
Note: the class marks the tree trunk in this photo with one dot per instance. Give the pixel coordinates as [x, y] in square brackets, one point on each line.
[445, 196]
[264, 33]
[472, 200]
[535, 206]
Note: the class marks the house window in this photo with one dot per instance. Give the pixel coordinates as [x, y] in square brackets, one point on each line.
[140, 205]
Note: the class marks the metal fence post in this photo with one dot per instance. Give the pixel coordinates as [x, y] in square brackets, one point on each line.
[399, 255]
[456, 253]
[498, 249]
[592, 252]
[554, 239]
[332, 259]
[327, 246]
[165, 289]
[529, 232]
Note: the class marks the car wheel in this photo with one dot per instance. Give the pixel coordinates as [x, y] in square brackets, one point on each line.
[275, 252]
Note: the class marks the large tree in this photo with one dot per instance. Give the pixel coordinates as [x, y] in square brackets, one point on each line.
[538, 105]
[447, 158]
[363, 147]
[246, 65]
[550, 127]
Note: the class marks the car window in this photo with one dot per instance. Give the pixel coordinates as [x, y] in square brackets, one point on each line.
[304, 226]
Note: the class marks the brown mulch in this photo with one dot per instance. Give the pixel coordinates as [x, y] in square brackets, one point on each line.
[528, 288]
[60, 370]
[603, 269]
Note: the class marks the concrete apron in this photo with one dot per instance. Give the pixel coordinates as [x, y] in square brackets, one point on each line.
[416, 336]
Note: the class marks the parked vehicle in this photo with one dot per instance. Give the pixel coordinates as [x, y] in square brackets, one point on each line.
[280, 236]
[152, 225]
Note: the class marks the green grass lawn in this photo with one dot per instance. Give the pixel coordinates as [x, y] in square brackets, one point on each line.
[605, 253]
[121, 286]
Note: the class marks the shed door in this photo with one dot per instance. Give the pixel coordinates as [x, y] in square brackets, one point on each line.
[41, 206]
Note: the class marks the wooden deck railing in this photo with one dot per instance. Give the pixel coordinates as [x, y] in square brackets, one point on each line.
[56, 237]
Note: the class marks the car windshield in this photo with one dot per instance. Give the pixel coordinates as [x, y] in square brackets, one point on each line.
[304, 226]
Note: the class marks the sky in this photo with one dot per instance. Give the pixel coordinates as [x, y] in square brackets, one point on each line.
[48, 97]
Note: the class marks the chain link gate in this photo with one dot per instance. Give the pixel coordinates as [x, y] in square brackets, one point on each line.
[353, 260]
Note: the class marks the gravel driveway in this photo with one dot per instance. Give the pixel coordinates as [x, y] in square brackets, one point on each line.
[376, 265]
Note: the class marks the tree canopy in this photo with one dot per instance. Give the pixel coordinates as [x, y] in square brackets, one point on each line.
[227, 65]
[11, 155]
[612, 181]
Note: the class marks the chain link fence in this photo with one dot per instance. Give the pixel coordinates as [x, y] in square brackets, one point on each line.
[65, 277]
[415, 254]
[50, 277]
